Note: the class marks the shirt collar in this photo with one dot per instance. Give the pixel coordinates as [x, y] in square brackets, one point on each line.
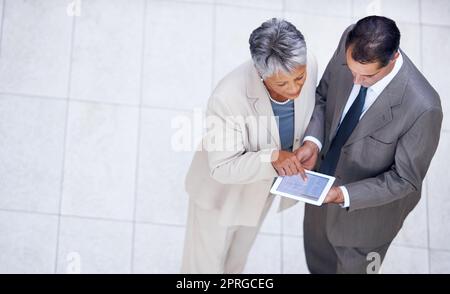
[379, 86]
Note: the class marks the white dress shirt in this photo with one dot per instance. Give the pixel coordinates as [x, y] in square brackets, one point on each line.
[372, 94]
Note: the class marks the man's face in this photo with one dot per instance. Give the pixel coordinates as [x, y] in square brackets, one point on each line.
[368, 74]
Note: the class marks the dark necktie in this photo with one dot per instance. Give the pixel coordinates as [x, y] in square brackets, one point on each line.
[346, 128]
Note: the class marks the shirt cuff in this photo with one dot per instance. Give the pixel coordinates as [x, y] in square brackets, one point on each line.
[314, 140]
[346, 197]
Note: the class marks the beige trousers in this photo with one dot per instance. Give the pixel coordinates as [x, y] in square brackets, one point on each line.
[210, 248]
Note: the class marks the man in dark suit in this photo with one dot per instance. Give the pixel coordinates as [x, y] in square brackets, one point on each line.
[375, 127]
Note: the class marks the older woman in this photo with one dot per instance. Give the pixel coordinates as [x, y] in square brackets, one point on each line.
[257, 116]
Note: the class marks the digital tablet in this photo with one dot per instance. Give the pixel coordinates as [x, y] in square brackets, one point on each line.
[313, 190]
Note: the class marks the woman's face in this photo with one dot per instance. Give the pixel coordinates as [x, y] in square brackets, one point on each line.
[283, 86]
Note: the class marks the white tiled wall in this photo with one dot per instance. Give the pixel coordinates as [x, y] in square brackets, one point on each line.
[178, 45]
[160, 192]
[107, 51]
[28, 242]
[102, 246]
[31, 136]
[88, 179]
[100, 161]
[35, 48]
[233, 26]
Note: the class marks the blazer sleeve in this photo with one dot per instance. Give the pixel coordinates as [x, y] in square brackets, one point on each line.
[413, 155]
[229, 161]
[316, 126]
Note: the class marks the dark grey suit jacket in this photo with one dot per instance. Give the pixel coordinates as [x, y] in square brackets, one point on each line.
[385, 159]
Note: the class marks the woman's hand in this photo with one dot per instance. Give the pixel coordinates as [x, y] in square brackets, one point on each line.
[287, 164]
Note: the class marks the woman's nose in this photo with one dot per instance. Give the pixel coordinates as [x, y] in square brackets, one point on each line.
[293, 88]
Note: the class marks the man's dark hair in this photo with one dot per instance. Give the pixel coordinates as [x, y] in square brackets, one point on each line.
[373, 39]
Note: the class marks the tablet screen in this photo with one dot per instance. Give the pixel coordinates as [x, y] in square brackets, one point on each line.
[295, 185]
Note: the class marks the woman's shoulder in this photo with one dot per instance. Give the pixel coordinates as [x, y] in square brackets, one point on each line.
[235, 77]
[233, 85]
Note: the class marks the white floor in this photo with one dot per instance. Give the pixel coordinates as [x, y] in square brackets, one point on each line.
[88, 181]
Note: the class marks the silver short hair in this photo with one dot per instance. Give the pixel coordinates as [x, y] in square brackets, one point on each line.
[277, 46]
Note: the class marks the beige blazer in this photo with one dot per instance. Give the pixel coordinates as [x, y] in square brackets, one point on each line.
[237, 181]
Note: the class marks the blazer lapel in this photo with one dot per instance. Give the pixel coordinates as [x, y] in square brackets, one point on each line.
[301, 106]
[261, 103]
[380, 113]
[299, 117]
[375, 118]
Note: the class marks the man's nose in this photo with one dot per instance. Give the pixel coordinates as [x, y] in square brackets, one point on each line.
[357, 79]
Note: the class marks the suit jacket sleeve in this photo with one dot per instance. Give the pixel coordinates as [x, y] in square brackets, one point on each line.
[316, 127]
[413, 155]
[229, 161]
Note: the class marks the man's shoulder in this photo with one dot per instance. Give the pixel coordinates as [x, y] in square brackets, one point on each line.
[418, 91]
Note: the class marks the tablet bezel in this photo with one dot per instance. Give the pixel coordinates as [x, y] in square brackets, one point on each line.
[317, 202]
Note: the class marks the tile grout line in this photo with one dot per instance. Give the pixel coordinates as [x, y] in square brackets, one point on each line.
[427, 212]
[314, 14]
[258, 8]
[261, 8]
[13, 210]
[66, 126]
[352, 10]
[138, 139]
[282, 253]
[281, 242]
[421, 35]
[150, 107]
[102, 103]
[1, 26]
[184, 2]
[93, 218]
[435, 25]
[213, 47]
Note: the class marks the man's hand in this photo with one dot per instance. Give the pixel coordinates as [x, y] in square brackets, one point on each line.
[335, 195]
[287, 164]
[307, 154]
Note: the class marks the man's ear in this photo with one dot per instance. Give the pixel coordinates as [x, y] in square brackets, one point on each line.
[396, 55]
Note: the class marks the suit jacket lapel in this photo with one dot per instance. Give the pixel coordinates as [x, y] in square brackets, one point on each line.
[380, 113]
[346, 80]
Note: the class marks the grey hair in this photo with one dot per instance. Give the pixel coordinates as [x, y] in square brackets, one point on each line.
[277, 46]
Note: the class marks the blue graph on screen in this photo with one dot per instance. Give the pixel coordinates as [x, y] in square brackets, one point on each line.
[295, 185]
